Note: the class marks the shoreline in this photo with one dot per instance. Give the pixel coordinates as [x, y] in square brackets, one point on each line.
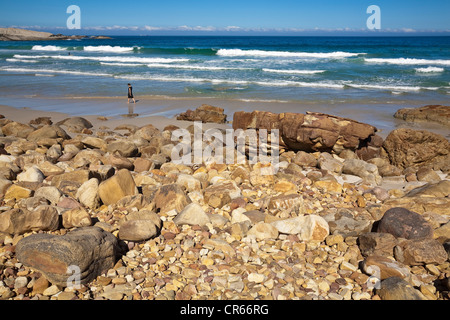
[161, 110]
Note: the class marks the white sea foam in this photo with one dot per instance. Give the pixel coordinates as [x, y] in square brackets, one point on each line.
[119, 64]
[293, 71]
[48, 48]
[287, 54]
[330, 85]
[21, 60]
[104, 59]
[116, 49]
[74, 72]
[191, 67]
[395, 89]
[430, 70]
[408, 61]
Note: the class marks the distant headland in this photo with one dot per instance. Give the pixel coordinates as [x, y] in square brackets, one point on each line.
[15, 34]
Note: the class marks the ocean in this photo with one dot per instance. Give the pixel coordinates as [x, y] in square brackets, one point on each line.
[333, 72]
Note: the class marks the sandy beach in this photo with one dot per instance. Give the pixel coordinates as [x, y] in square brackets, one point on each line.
[162, 110]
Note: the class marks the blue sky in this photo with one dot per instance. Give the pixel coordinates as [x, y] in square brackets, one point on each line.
[228, 17]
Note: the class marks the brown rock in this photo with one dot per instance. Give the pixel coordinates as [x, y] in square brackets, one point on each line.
[417, 148]
[78, 177]
[77, 217]
[204, 113]
[15, 192]
[291, 202]
[139, 226]
[118, 186]
[40, 285]
[75, 124]
[402, 223]
[419, 204]
[395, 288]
[18, 221]
[48, 132]
[429, 113]
[17, 129]
[433, 189]
[220, 194]
[428, 175]
[170, 197]
[376, 243]
[89, 250]
[420, 252]
[310, 131]
[142, 165]
[122, 147]
[383, 267]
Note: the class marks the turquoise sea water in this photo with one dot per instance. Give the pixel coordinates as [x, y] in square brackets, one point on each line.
[317, 70]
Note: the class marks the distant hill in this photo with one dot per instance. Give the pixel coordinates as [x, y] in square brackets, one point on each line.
[15, 34]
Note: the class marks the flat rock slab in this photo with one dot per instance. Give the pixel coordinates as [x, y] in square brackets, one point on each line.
[89, 250]
[430, 113]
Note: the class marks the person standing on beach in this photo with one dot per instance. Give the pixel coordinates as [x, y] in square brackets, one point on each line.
[130, 93]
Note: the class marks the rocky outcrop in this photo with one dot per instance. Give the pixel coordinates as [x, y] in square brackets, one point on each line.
[309, 132]
[431, 113]
[416, 148]
[15, 34]
[205, 114]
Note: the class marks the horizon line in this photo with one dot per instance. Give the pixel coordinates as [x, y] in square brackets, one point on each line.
[232, 31]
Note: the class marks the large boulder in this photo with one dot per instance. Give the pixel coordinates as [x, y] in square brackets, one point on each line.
[430, 113]
[204, 113]
[17, 129]
[48, 132]
[403, 223]
[395, 288]
[309, 132]
[89, 250]
[417, 148]
[75, 124]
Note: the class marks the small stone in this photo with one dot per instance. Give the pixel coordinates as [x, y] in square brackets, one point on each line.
[32, 174]
[263, 231]
[20, 282]
[77, 217]
[192, 214]
[328, 186]
[334, 239]
[87, 194]
[256, 277]
[40, 285]
[52, 290]
[348, 266]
